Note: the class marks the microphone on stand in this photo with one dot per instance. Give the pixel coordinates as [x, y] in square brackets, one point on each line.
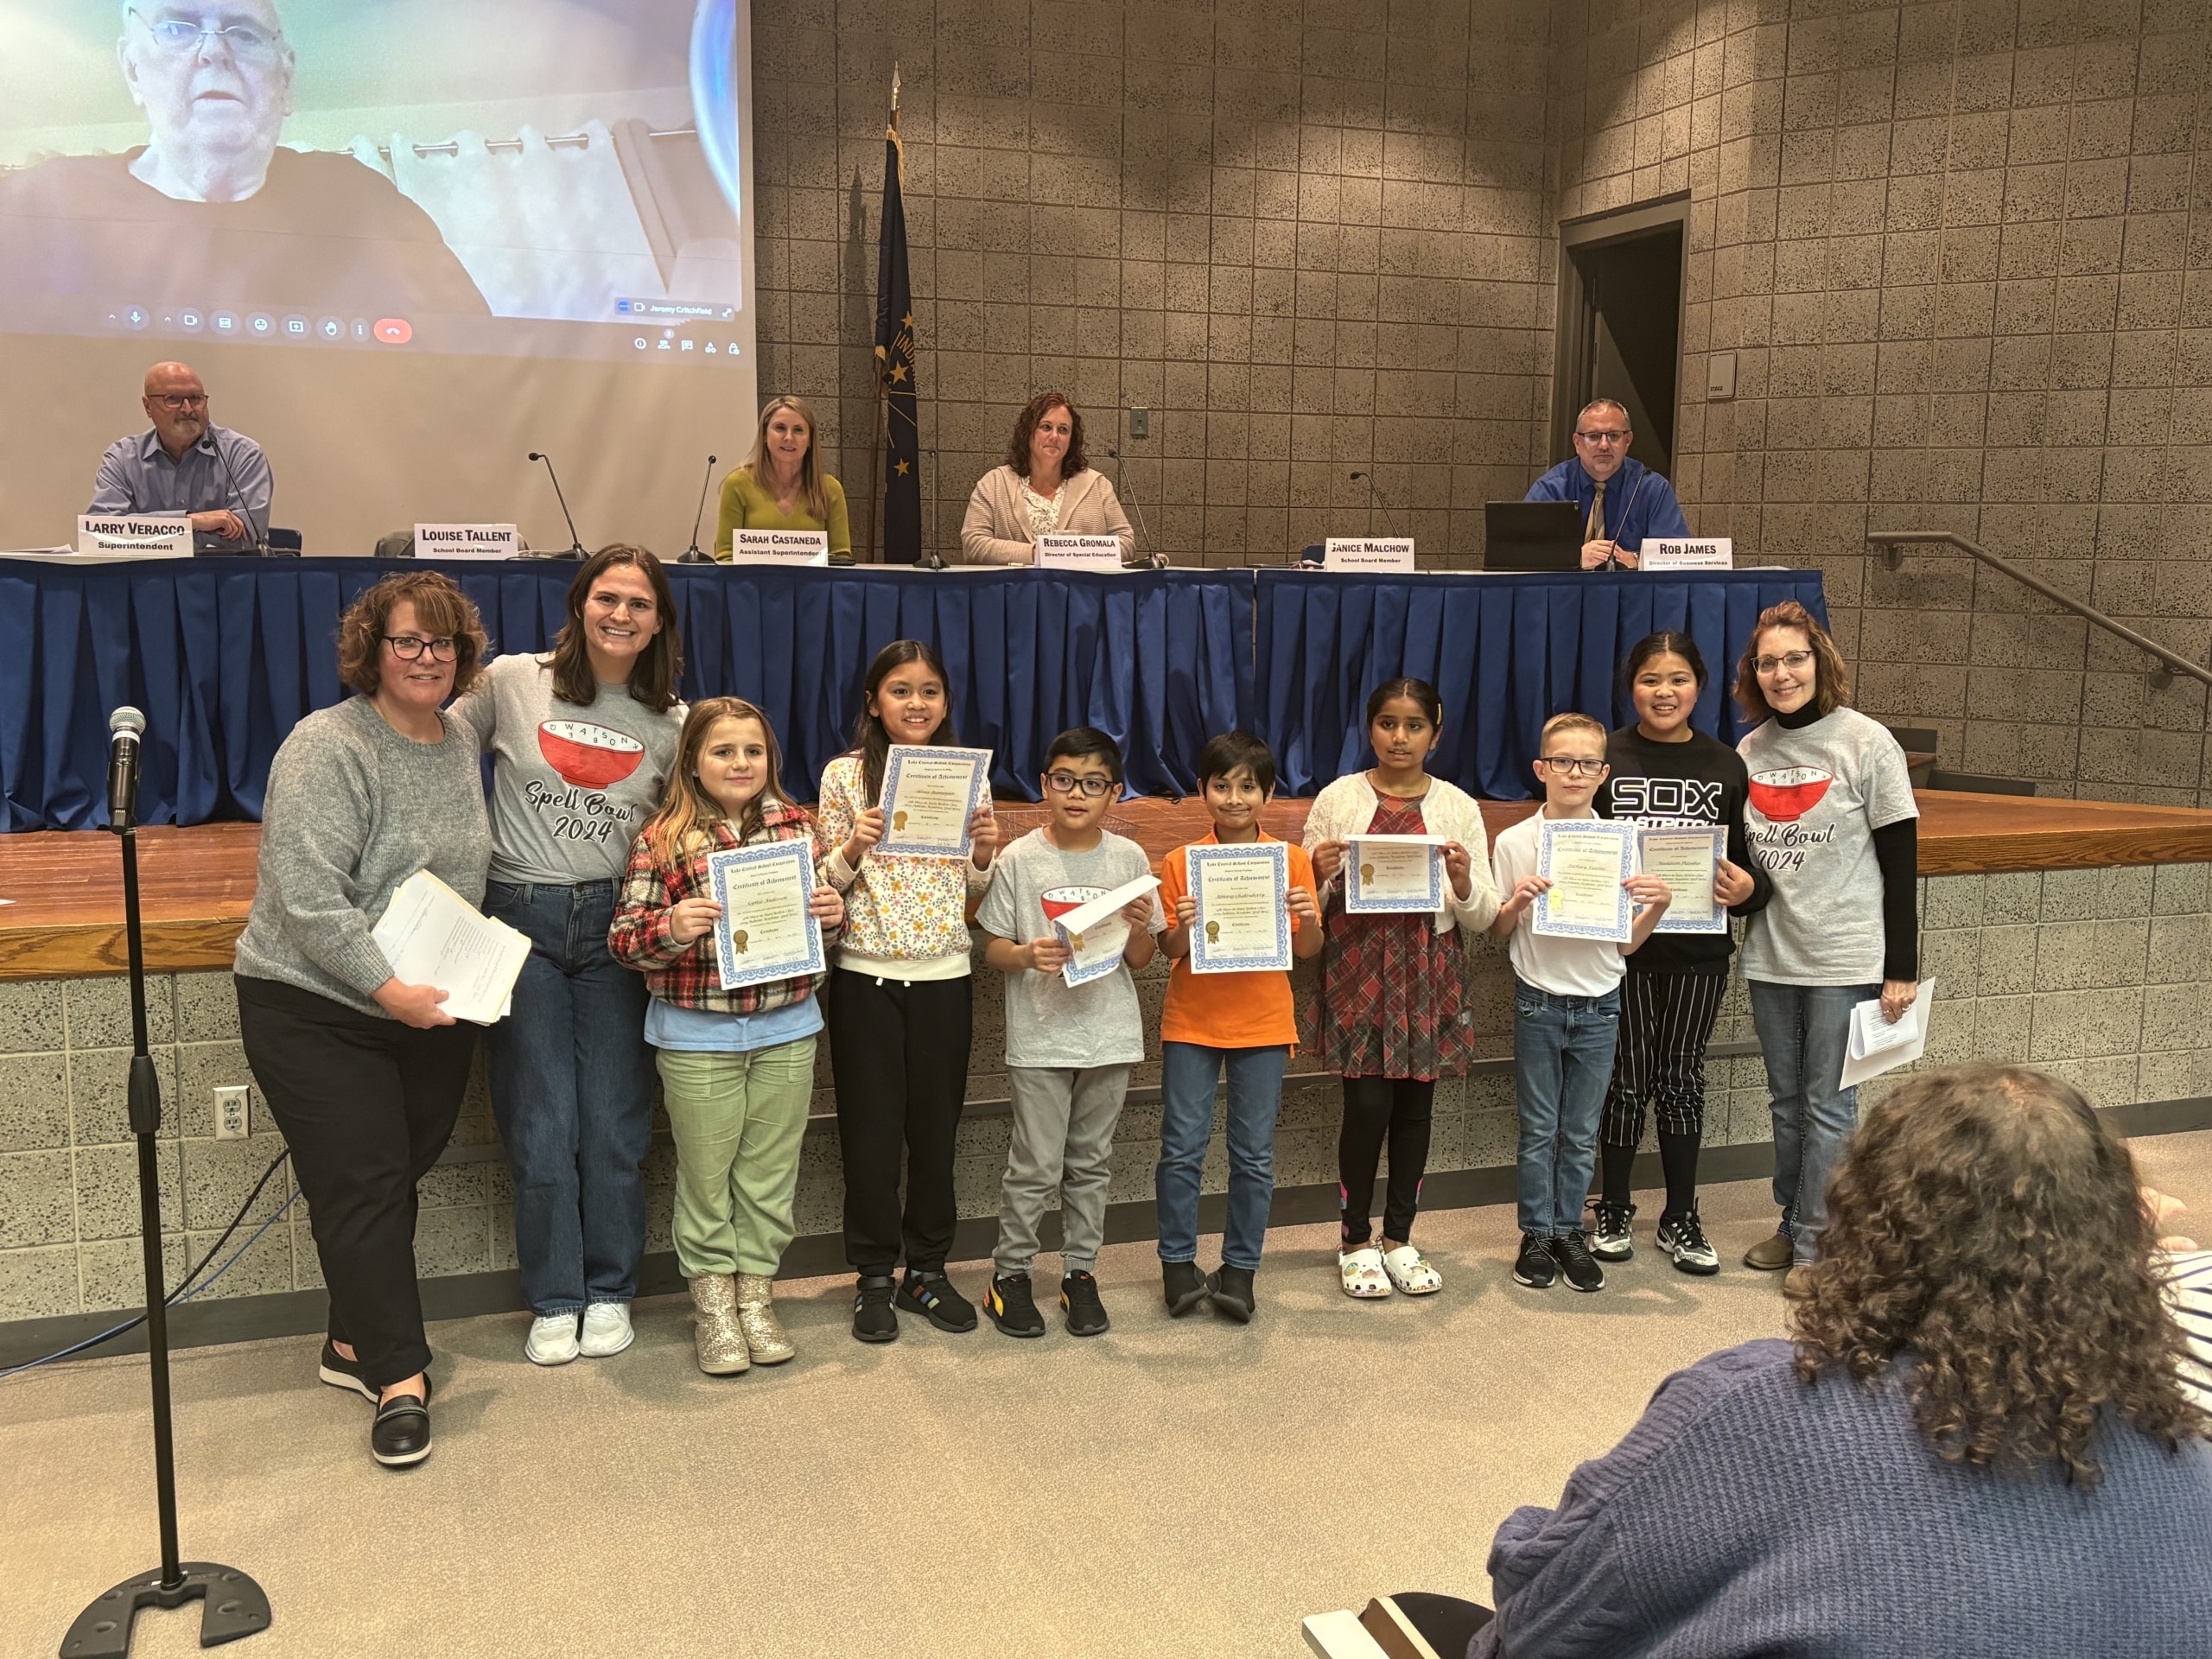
[1375, 495]
[691, 555]
[260, 549]
[124, 726]
[575, 543]
[1157, 560]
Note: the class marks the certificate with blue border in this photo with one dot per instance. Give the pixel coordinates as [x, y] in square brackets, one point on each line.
[1585, 860]
[766, 930]
[1244, 923]
[1394, 875]
[1686, 857]
[929, 794]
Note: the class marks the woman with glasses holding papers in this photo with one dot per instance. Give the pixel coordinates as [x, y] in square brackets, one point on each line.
[1833, 822]
[364, 1073]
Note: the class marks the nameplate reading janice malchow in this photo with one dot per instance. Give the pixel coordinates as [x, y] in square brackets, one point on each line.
[467, 542]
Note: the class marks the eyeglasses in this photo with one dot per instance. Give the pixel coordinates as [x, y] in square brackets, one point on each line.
[1603, 437]
[1067, 783]
[1795, 661]
[1571, 765]
[182, 34]
[408, 646]
[176, 401]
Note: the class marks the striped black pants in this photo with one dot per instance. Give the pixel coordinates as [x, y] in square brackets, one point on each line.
[1666, 1021]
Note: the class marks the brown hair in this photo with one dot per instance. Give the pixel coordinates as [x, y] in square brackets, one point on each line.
[810, 464]
[1025, 428]
[686, 809]
[1831, 681]
[1987, 1233]
[659, 666]
[440, 606]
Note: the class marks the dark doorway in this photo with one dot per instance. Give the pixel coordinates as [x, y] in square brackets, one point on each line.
[1620, 324]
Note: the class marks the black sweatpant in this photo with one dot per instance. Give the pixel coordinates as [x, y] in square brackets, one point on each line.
[899, 1050]
[366, 1104]
[1376, 1108]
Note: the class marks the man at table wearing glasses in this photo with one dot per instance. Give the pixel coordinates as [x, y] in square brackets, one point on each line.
[178, 465]
[211, 214]
[1622, 500]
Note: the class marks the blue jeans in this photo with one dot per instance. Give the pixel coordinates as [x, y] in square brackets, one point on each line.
[1562, 1060]
[572, 1087]
[1803, 1032]
[1188, 1074]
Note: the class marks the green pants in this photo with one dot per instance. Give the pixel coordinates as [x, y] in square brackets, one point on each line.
[738, 1120]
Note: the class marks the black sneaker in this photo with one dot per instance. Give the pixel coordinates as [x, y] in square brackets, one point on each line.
[1683, 1238]
[1576, 1265]
[400, 1434]
[1079, 1300]
[1231, 1291]
[1611, 1235]
[1185, 1285]
[343, 1373]
[1011, 1307]
[1534, 1266]
[874, 1320]
[931, 1295]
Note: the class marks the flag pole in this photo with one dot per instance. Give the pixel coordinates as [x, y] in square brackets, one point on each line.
[876, 405]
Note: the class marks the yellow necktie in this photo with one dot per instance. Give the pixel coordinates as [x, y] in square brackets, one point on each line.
[1595, 530]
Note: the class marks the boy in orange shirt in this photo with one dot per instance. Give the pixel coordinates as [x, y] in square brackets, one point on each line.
[1242, 1023]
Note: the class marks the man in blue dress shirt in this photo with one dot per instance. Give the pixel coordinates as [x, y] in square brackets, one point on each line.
[1622, 500]
[185, 463]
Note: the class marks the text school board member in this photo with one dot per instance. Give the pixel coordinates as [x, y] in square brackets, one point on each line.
[1622, 500]
[1045, 487]
[782, 484]
[185, 463]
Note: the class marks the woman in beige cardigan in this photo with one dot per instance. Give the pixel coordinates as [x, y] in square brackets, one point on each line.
[1045, 486]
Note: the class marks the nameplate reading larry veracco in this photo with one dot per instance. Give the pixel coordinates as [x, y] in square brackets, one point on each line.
[779, 547]
[467, 542]
[136, 536]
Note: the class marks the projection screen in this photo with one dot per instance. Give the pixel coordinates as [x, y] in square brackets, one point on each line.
[403, 242]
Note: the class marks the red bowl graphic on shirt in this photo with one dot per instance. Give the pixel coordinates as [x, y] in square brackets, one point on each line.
[1786, 796]
[1059, 901]
[589, 756]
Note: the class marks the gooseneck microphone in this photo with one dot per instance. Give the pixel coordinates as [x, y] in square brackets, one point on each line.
[691, 555]
[575, 543]
[1156, 559]
[1375, 495]
[124, 725]
[259, 532]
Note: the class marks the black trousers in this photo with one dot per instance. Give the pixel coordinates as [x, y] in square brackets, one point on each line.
[1666, 1022]
[899, 1052]
[366, 1105]
[1378, 1108]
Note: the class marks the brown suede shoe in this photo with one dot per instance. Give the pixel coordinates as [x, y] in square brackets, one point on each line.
[1771, 1253]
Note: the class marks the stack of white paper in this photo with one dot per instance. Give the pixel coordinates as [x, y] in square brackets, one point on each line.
[432, 936]
[1876, 1046]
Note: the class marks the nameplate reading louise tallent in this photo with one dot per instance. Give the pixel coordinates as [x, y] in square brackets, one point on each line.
[467, 542]
[136, 536]
[1364, 553]
[803, 547]
[1056, 551]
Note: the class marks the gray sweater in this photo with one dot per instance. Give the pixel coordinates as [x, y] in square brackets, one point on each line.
[1748, 1514]
[353, 809]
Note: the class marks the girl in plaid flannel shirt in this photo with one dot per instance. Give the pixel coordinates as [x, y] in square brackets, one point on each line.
[736, 1067]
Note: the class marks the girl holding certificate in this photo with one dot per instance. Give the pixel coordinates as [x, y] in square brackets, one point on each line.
[736, 1066]
[1665, 774]
[1387, 1016]
[900, 1006]
[1833, 821]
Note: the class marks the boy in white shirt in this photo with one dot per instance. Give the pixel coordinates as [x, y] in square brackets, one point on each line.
[1567, 1004]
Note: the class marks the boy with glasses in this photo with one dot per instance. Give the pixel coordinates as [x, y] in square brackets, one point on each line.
[1069, 1049]
[1567, 1006]
[1622, 501]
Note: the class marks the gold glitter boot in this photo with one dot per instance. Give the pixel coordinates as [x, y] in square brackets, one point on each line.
[756, 1317]
[721, 1342]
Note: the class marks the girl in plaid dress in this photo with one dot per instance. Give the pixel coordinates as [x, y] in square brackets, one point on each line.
[1387, 1013]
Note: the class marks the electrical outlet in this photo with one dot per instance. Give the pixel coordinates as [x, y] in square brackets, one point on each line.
[1139, 422]
[233, 1113]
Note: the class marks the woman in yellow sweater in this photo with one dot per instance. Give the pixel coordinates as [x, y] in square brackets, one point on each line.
[782, 485]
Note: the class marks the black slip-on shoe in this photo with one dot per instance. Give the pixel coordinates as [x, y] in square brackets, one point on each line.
[1231, 1291]
[874, 1318]
[1013, 1307]
[400, 1434]
[1079, 1300]
[930, 1294]
[343, 1373]
[1184, 1286]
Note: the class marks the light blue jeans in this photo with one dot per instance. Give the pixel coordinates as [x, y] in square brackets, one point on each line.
[1188, 1074]
[1562, 1060]
[1803, 1031]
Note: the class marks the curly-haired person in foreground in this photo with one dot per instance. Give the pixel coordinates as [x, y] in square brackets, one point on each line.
[1978, 1444]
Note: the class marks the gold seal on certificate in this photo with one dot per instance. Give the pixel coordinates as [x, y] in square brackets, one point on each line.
[767, 931]
[1242, 891]
[928, 796]
[1586, 860]
[1393, 875]
[1686, 857]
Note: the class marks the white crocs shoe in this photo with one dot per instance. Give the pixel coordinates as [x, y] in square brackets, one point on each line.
[1410, 1272]
[552, 1339]
[1362, 1272]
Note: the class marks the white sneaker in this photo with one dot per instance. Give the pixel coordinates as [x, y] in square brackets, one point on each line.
[552, 1339]
[607, 1328]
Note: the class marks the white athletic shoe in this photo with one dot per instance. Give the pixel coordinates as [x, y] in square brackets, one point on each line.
[552, 1339]
[607, 1328]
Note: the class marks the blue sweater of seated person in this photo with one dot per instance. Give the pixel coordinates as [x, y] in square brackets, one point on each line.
[1749, 1514]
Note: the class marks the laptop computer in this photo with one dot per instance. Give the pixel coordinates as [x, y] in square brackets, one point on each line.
[1532, 535]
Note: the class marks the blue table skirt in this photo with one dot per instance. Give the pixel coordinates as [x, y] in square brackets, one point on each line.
[1505, 653]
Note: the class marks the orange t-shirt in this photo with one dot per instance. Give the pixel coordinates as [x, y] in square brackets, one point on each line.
[1227, 1010]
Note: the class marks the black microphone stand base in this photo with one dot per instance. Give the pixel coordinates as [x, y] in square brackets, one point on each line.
[232, 1605]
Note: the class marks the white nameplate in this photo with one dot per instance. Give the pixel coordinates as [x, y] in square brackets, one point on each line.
[1056, 551]
[1368, 553]
[779, 547]
[467, 542]
[136, 536]
[1677, 553]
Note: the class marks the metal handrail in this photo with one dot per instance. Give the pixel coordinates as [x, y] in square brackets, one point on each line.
[1891, 541]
